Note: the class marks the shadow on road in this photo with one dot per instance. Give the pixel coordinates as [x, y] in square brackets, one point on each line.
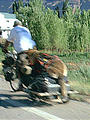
[24, 101]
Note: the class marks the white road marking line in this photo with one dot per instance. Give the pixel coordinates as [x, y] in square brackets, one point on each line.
[36, 111]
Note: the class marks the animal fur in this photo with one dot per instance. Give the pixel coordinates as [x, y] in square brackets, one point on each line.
[57, 69]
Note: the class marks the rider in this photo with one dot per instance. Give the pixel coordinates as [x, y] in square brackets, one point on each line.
[22, 41]
[20, 37]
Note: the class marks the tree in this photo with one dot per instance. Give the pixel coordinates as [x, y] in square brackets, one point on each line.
[14, 7]
[70, 32]
[65, 6]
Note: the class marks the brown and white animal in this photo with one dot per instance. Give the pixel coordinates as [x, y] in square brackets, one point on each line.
[54, 66]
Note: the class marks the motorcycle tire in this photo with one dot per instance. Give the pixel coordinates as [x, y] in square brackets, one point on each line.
[15, 85]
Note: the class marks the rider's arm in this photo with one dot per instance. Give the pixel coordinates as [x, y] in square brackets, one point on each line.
[9, 40]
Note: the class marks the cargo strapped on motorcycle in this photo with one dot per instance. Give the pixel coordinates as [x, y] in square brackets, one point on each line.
[43, 58]
[52, 63]
[46, 60]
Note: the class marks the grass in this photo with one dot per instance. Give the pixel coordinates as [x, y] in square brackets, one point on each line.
[79, 72]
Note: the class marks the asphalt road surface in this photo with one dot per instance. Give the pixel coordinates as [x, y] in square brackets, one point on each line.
[18, 106]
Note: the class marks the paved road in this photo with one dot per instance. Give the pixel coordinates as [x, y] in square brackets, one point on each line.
[18, 106]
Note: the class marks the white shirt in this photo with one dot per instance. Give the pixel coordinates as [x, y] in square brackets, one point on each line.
[21, 38]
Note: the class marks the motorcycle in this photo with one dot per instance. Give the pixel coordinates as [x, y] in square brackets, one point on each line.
[32, 79]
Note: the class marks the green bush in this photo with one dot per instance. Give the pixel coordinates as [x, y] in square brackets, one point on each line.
[71, 32]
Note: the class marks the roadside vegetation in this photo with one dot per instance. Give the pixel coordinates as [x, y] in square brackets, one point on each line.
[70, 32]
[78, 71]
[67, 36]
